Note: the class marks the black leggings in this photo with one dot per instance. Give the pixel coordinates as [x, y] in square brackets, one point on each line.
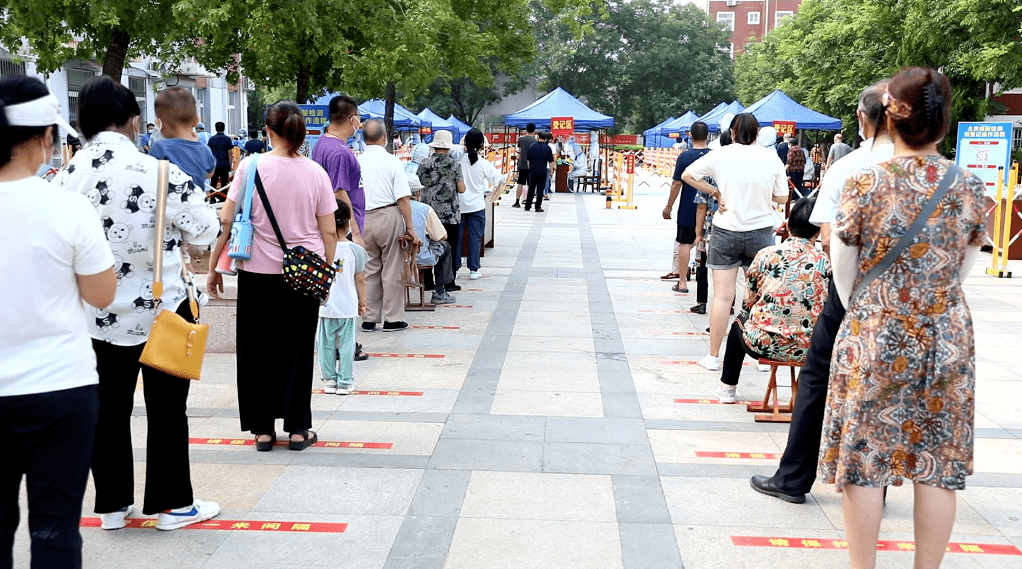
[276, 339]
[734, 354]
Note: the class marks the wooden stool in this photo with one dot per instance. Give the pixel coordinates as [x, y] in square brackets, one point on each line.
[780, 414]
[412, 280]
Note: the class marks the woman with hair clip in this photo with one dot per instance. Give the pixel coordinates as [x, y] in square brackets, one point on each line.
[276, 328]
[121, 183]
[901, 404]
[55, 256]
[749, 181]
[478, 174]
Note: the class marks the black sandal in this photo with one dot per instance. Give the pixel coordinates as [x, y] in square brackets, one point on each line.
[310, 438]
[677, 288]
[263, 446]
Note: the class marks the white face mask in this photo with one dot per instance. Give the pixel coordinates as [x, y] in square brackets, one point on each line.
[862, 132]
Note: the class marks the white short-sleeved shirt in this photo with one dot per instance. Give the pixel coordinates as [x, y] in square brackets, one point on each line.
[49, 236]
[383, 177]
[870, 153]
[343, 300]
[748, 176]
[476, 177]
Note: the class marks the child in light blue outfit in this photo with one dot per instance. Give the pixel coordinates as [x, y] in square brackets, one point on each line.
[347, 301]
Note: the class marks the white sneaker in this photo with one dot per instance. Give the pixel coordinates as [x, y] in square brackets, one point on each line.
[116, 520]
[199, 511]
[475, 275]
[762, 367]
[726, 393]
[343, 389]
[709, 362]
[331, 386]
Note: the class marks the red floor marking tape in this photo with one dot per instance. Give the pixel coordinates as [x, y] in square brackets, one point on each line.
[436, 327]
[320, 444]
[711, 402]
[693, 362]
[453, 306]
[388, 393]
[427, 356]
[755, 455]
[472, 290]
[231, 525]
[662, 333]
[802, 543]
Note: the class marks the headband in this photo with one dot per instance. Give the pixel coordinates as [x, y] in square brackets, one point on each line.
[44, 111]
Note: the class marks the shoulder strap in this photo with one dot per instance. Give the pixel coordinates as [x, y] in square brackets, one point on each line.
[249, 187]
[269, 211]
[162, 180]
[910, 234]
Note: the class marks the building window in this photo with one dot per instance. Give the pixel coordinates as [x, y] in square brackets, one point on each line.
[779, 16]
[75, 79]
[727, 18]
[137, 86]
[1016, 138]
[753, 18]
[8, 68]
[232, 112]
[202, 105]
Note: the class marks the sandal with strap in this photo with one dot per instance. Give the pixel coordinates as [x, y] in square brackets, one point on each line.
[309, 439]
[670, 276]
[677, 288]
[263, 446]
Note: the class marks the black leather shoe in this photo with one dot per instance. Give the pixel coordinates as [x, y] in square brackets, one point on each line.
[699, 308]
[766, 485]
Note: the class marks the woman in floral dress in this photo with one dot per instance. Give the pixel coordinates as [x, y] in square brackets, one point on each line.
[901, 403]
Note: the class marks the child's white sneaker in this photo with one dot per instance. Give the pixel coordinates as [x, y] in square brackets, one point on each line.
[343, 389]
[199, 511]
[331, 387]
[709, 362]
[116, 520]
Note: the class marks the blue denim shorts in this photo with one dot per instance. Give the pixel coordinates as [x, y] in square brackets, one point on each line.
[731, 249]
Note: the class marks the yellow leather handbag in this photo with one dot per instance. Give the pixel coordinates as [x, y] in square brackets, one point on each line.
[175, 345]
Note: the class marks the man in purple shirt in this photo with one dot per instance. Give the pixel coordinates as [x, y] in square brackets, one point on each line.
[333, 154]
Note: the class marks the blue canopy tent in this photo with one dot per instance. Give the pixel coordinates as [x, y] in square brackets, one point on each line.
[437, 122]
[403, 118]
[460, 128]
[778, 106]
[679, 124]
[712, 118]
[559, 103]
[656, 140]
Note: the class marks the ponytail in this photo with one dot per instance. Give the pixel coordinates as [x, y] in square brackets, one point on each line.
[284, 118]
[473, 144]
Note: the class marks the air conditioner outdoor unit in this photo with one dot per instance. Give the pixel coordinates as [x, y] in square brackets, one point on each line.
[732, 2]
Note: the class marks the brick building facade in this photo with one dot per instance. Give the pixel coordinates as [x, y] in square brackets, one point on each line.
[750, 20]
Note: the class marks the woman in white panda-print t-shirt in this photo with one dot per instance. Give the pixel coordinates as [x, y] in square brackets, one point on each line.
[121, 183]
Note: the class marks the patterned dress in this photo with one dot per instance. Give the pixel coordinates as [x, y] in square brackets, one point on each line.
[901, 402]
[440, 175]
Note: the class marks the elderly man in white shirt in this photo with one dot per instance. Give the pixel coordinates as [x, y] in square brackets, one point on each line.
[797, 472]
[388, 221]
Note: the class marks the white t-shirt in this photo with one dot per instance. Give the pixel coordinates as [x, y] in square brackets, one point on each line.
[49, 236]
[870, 153]
[343, 300]
[476, 177]
[747, 177]
[383, 177]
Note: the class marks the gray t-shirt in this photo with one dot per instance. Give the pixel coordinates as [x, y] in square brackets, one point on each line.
[524, 143]
[838, 151]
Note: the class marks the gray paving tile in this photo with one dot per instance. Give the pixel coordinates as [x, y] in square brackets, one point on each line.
[709, 501]
[474, 400]
[588, 458]
[388, 416]
[335, 459]
[649, 546]
[640, 500]
[440, 493]
[422, 543]
[359, 491]
[495, 427]
[595, 430]
[481, 543]
[539, 496]
[616, 382]
[470, 454]
[625, 405]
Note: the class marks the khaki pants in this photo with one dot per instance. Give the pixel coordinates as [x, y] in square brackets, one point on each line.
[384, 270]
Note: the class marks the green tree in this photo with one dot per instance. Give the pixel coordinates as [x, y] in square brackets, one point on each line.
[112, 31]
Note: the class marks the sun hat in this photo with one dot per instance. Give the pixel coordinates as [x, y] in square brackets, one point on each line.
[442, 139]
[44, 111]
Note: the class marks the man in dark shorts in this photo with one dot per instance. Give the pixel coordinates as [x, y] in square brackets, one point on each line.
[686, 235]
[220, 145]
[524, 143]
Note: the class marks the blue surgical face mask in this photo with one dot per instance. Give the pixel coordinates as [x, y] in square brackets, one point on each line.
[43, 169]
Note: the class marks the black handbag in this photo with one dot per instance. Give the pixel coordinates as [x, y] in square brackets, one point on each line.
[303, 270]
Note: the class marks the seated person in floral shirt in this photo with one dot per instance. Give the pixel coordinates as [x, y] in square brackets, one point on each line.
[787, 288]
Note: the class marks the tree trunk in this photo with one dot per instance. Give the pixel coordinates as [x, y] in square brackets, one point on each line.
[113, 61]
[388, 115]
[304, 75]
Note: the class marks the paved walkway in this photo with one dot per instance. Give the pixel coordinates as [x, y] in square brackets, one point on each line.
[553, 419]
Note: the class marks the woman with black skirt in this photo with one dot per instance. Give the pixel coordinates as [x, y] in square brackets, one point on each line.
[276, 326]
